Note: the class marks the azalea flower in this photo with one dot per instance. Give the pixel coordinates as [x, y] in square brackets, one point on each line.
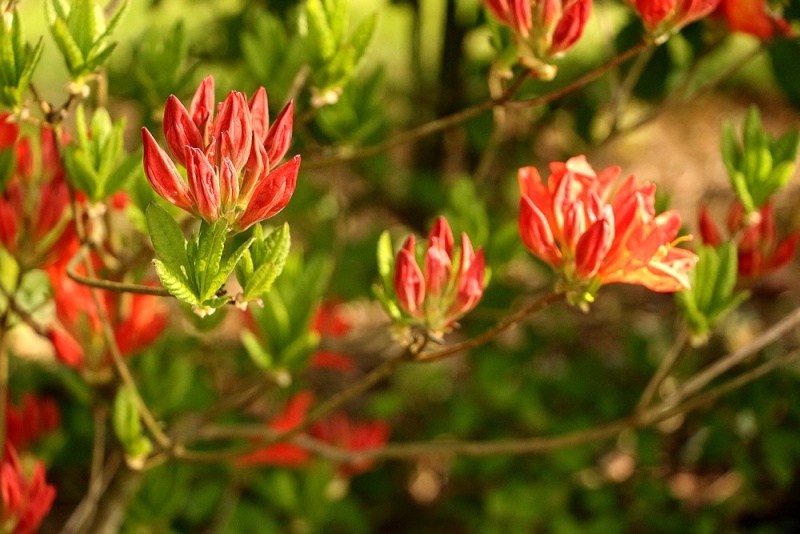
[662, 17]
[231, 159]
[754, 17]
[26, 500]
[543, 29]
[437, 294]
[34, 418]
[759, 251]
[337, 429]
[594, 234]
[137, 321]
[35, 216]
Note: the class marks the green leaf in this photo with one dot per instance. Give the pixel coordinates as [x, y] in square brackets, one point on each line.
[362, 36]
[753, 131]
[125, 416]
[227, 267]
[729, 148]
[785, 147]
[69, 48]
[82, 23]
[210, 246]
[324, 43]
[176, 282]
[167, 236]
[385, 259]
[261, 281]
[258, 354]
[276, 246]
[113, 22]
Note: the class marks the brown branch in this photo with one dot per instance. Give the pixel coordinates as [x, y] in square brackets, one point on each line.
[109, 285]
[508, 323]
[666, 365]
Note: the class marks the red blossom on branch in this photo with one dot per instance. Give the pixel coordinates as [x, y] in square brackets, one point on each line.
[439, 292]
[337, 429]
[25, 500]
[759, 250]
[231, 159]
[35, 214]
[595, 235]
[754, 17]
[662, 17]
[137, 321]
[26, 424]
[542, 28]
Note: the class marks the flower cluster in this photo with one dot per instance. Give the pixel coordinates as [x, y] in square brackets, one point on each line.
[137, 321]
[594, 235]
[35, 219]
[338, 430]
[26, 500]
[756, 17]
[542, 28]
[230, 158]
[439, 293]
[665, 17]
[758, 249]
[26, 424]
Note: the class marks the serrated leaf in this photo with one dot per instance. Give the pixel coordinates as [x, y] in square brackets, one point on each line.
[261, 281]
[210, 246]
[227, 268]
[244, 269]
[167, 237]
[176, 283]
[277, 245]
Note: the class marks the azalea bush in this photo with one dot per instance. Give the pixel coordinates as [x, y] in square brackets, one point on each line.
[330, 266]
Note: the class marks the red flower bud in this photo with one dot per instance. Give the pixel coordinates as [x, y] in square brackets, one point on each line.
[271, 194]
[202, 107]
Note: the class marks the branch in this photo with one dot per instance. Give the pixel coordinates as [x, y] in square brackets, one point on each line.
[506, 324]
[109, 285]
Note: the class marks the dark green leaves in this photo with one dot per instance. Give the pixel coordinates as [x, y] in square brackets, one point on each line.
[759, 165]
[17, 61]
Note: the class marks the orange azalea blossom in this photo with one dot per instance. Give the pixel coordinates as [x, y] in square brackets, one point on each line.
[754, 17]
[595, 235]
[759, 251]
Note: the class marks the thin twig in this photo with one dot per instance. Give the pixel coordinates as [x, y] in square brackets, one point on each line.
[701, 379]
[666, 365]
[109, 285]
[509, 322]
